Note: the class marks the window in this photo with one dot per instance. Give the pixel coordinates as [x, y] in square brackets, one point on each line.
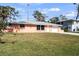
[22, 25]
[61, 23]
[73, 29]
[40, 27]
[69, 27]
[10, 24]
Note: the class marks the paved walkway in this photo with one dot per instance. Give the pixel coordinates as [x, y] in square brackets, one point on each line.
[76, 34]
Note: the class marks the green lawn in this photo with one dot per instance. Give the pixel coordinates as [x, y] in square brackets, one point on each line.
[39, 44]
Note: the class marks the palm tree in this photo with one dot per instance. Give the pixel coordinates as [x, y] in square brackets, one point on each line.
[77, 10]
[39, 16]
[28, 11]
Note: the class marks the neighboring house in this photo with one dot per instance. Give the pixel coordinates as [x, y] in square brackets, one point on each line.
[70, 25]
[23, 27]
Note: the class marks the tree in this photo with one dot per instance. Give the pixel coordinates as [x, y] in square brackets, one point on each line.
[54, 19]
[6, 13]
[77, 10]
[62, 17]
[39, 16]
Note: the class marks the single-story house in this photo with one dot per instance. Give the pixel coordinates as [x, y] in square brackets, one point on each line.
[71, 25]
[23, 27]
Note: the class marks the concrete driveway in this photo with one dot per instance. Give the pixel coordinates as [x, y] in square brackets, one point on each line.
[76, 34]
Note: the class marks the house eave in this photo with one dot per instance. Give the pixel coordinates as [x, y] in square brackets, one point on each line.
[36, 23]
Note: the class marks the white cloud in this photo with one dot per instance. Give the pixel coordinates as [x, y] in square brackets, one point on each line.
[71, 14]
[46, 10]
[21, 10]
[54, 9]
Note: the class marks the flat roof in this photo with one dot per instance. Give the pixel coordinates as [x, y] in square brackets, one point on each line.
[35, 23]
[68, 20]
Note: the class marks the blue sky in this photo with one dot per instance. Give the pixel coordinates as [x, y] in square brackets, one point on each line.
[49, 9]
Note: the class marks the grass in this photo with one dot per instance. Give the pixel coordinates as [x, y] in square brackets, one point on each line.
[39, 44]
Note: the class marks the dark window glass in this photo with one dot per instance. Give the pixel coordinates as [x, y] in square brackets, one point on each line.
[22, 25]
[10, 24]
[73, 29]
[38, 27]
[42, 27]
[62, 23]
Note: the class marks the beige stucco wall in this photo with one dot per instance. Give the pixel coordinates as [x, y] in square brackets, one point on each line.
[33, 28]
[57, 29]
